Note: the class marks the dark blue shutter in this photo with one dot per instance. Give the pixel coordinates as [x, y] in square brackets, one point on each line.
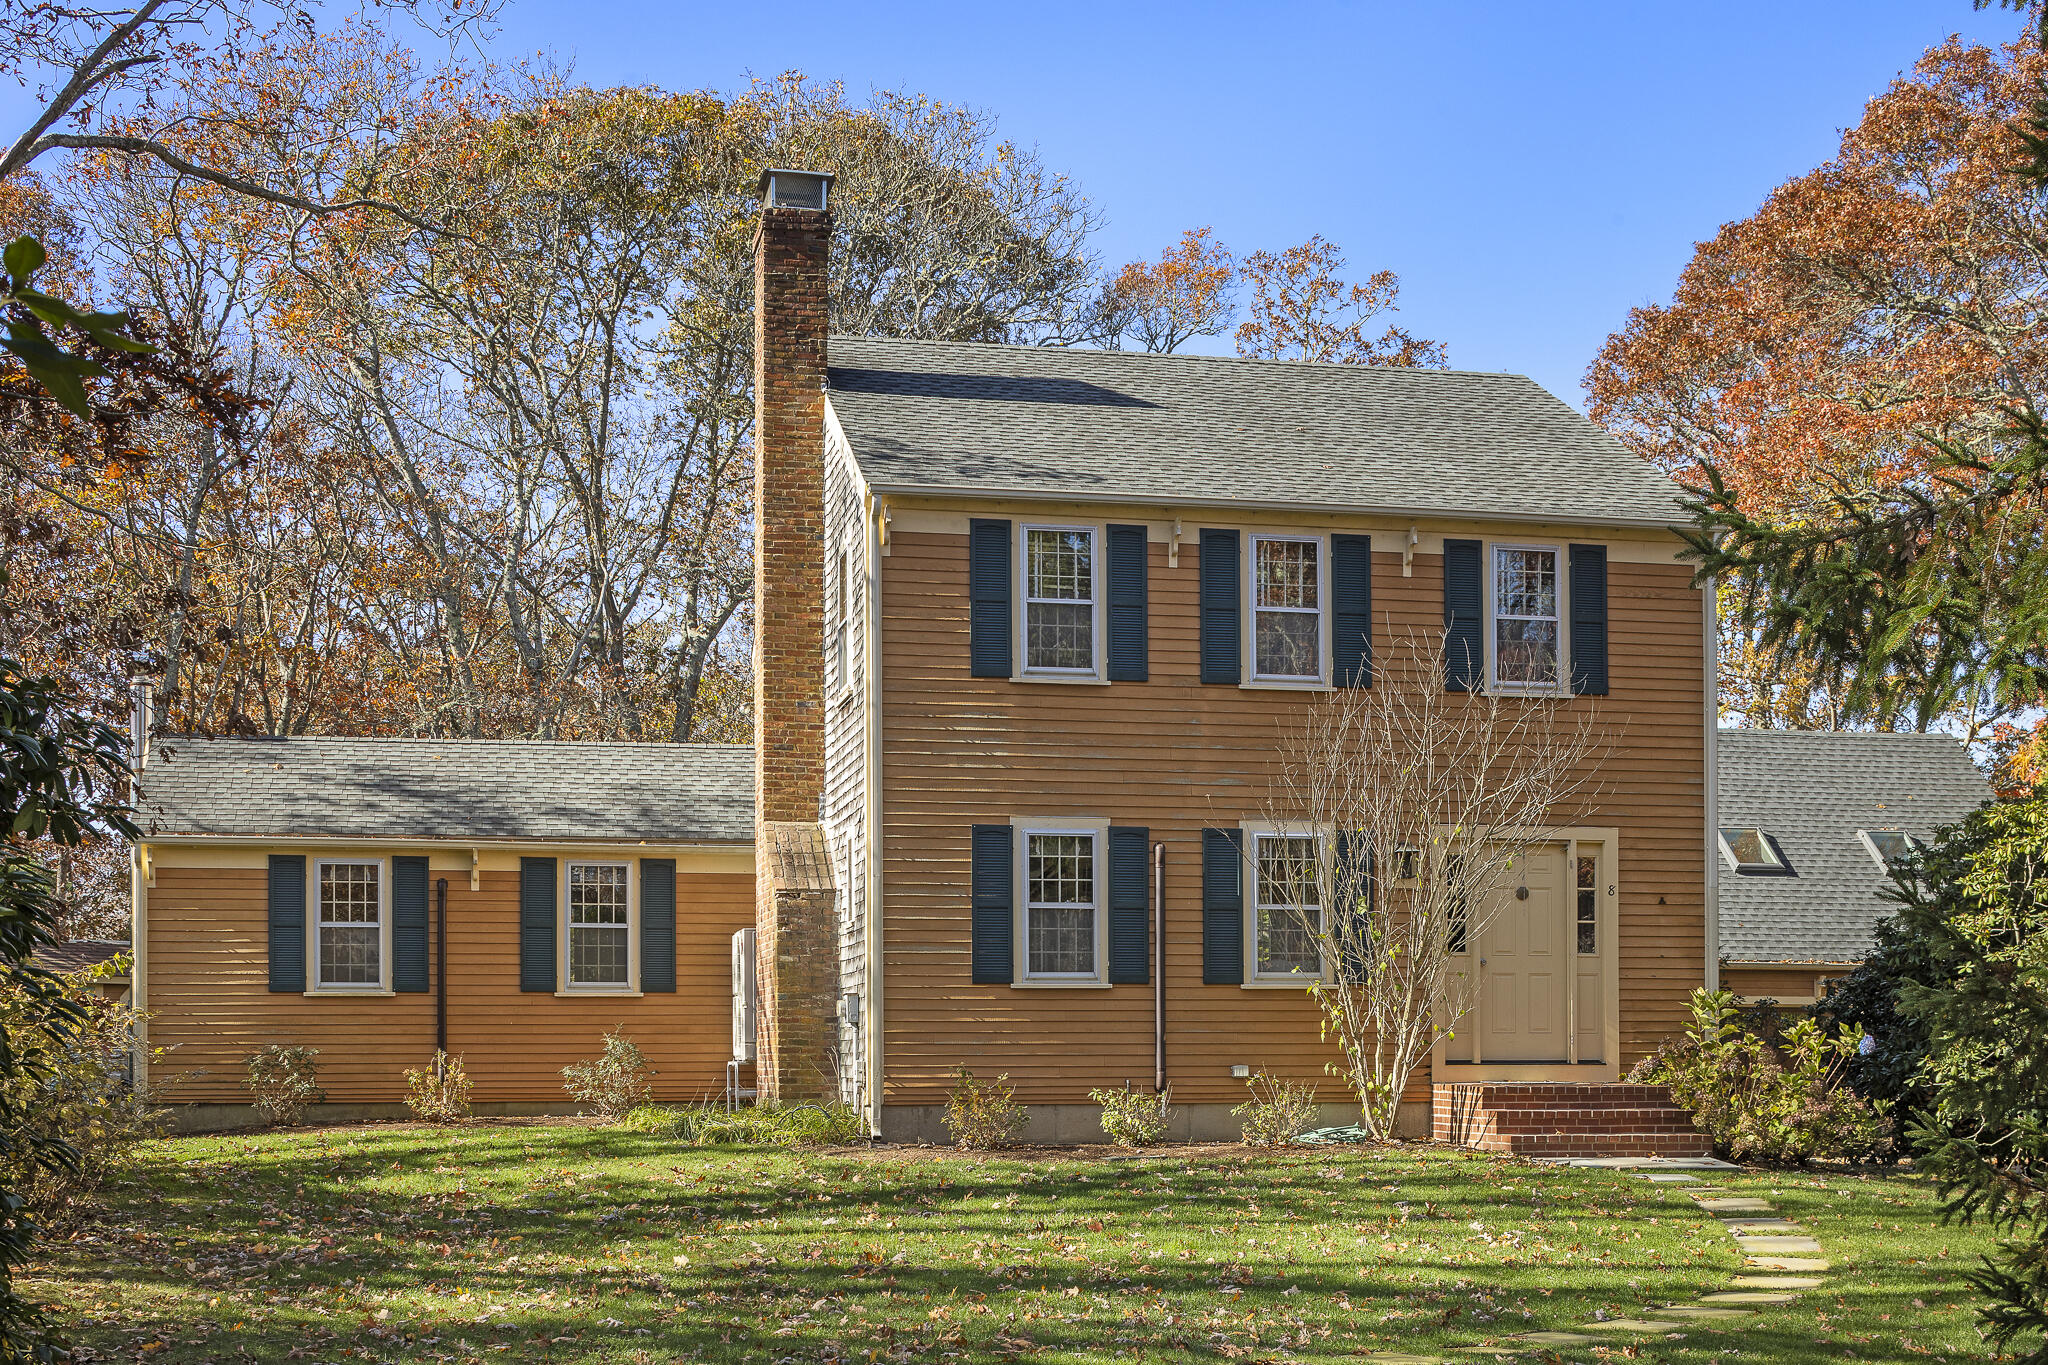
[1589, 620]
[1222, 635]
[989, 610]
[1128, 634]
[1351, 610]
[1357, 888]
[658, 925]
[1130, 909]
[288, 922]
[537, 924]
[1222, 907]
[408, 924]
[1464, 616]
[994, 913]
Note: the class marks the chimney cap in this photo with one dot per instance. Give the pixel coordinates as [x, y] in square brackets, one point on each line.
[782, 188]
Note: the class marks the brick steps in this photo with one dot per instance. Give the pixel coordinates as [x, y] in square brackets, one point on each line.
[1563, 1119]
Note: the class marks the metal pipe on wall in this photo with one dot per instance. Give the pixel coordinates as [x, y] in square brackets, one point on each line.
[1159, 967]
[441, 965]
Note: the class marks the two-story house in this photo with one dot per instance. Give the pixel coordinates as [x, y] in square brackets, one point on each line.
[1029, 622]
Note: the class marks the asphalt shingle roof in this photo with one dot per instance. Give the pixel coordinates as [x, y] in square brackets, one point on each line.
[1030, 421]
[1810, 791]
[316, 787]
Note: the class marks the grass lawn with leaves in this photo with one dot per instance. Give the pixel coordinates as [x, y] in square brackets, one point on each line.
[563, 1243]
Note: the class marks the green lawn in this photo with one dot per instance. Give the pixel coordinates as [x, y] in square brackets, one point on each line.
[565, 1244]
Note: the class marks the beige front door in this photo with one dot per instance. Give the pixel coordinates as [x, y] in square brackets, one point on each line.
[1526, 963]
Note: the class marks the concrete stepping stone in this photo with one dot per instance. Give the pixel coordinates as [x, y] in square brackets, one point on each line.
[1401, 1358]
[1777, 1246]
[1758, 1227]
[1666, 1178]
[1492, 1350]
[1703, 1312]
[1628, 1325]
[1738, 1204]
[1778, 1281]
[1556, 1338]
[1788, 1263]
[1747, 1296]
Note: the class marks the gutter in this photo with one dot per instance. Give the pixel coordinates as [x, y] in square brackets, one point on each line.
[946, 492]
[436, 841]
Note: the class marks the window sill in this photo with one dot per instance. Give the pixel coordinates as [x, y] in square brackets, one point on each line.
[1029, 985]
[599, 992]
[1069, 679]
[348, 992]
[1285, 685]
[1275, 983]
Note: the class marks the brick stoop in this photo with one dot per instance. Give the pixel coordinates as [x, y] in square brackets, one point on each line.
[1542, 1119]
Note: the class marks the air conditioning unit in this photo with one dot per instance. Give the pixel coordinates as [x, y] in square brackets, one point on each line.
[743, 995]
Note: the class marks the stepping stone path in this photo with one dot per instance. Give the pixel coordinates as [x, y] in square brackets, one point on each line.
[1770, 1244]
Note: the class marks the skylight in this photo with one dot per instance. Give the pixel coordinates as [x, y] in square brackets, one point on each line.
[1749, 849]
[1890, 847]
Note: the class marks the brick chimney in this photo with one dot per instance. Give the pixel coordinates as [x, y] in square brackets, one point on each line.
[796, 948]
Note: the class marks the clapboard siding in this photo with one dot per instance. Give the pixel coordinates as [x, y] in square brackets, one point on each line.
[211, 1005]
[1175, 756]
[845, 812]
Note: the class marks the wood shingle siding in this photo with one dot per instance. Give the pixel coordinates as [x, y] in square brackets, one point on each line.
[211, 1002]
[1176, 756]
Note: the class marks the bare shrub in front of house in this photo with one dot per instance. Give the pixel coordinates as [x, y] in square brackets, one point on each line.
[1402, 812]
[1131, 1118]
[284, 1081]
[983, 1116]
[1278, 1112]
[439, 1091]
[615, 1082]
[1760, 1098]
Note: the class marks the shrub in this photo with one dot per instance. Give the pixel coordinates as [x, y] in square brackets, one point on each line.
[85, 1100]
[982, 1116]
[1278, 1111]
[284, 1080]
[772, 1125]
[1782, 1099]
[439, 1092]
[1132, 1119]
[1867, 1000]
[612, 1084]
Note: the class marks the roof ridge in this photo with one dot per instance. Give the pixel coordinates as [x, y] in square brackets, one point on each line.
[664, 745]
[1149, 356]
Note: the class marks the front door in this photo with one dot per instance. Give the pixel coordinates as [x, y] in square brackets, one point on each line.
[1525, 963]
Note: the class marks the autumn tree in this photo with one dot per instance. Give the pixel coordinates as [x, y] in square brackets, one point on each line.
[1162, 305]
[1302, 308]
[1849, 376]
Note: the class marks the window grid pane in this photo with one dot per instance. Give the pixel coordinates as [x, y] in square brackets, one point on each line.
[1286, 613]
[349, 927]
[1525, 617]
[1288, 908]
[1060, 905]
[599, 948]
[1588, 893]
[1059, 600]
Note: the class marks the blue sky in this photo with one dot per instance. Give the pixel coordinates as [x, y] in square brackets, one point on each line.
[1530, 171]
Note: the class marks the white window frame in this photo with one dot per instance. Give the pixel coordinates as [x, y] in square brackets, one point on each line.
[1776, 867]
[1097, 588]
[1253, 677]
[1563, 684]
[1869, 842]
[1097, 830]
[844, 605]
[564, 985]
[1254, 979]
[382, 985]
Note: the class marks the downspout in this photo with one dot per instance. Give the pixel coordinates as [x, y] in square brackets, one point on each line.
[140, 874]
[877, 519]
[441, 965]
[1159, 967]
[1710, 628]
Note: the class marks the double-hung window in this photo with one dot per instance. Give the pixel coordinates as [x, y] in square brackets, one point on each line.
[1061, 910]
[1287, 613]
[1059, 600]
[1288, 941]
[599, 926]
[348, 940]
[1526, 595]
